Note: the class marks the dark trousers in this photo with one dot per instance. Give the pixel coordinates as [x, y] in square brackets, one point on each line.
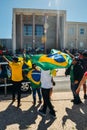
[16, 89]
[76, 96]
[38, 90]
[46, 100]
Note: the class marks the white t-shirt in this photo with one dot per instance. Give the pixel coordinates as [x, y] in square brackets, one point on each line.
[46, 79]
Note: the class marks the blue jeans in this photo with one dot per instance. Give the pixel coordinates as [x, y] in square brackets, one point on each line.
[38, 90]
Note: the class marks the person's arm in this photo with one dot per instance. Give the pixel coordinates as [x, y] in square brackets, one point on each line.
[71, 55]
[81, 83]
[6, 58]
[53, 82]
[67, 71]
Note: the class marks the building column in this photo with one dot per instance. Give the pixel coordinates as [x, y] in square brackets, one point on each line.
[45, 31]
[57, 31]
[65, 28]
[21, 31]
[14, 34]
[33, 40]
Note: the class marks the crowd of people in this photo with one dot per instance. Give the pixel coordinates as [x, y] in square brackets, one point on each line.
[42, 81]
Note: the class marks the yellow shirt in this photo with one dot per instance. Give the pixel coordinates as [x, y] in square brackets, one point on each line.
[16, 70]
[53, 72]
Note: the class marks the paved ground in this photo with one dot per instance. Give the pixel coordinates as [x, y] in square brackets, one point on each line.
[69, 116]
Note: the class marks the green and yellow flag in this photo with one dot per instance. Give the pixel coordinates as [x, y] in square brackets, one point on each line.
[54, 60]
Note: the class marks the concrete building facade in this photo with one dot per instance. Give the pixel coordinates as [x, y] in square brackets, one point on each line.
[76, 35]
[47, 29]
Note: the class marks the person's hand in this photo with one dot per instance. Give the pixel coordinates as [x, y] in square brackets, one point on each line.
[77, 90]
[76, 82]
[3, 56]
[53, 83]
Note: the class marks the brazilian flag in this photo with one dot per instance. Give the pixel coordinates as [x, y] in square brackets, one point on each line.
[54, 60]
[34, 77]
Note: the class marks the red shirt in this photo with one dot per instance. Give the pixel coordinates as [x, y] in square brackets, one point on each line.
[0, 51]
[85, 74]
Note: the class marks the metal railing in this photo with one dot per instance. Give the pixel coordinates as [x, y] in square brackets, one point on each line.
[5, 84]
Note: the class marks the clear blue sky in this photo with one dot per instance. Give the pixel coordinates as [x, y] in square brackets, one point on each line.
[76, 11]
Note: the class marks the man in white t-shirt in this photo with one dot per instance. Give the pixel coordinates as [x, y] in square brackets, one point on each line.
[46, 86]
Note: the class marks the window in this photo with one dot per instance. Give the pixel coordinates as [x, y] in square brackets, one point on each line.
[28, 31]
[82, 31]
[39, 30]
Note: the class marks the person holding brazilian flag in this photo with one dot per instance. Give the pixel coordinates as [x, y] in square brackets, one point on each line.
[34, 76]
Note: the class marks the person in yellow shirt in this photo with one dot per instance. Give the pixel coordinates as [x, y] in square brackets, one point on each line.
[16, 77]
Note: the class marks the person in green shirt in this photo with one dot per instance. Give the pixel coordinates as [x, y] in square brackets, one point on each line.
[76, 72]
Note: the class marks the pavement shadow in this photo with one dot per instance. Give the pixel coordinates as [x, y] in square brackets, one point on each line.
[13, 115]
[46, 121]
[78, 115]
